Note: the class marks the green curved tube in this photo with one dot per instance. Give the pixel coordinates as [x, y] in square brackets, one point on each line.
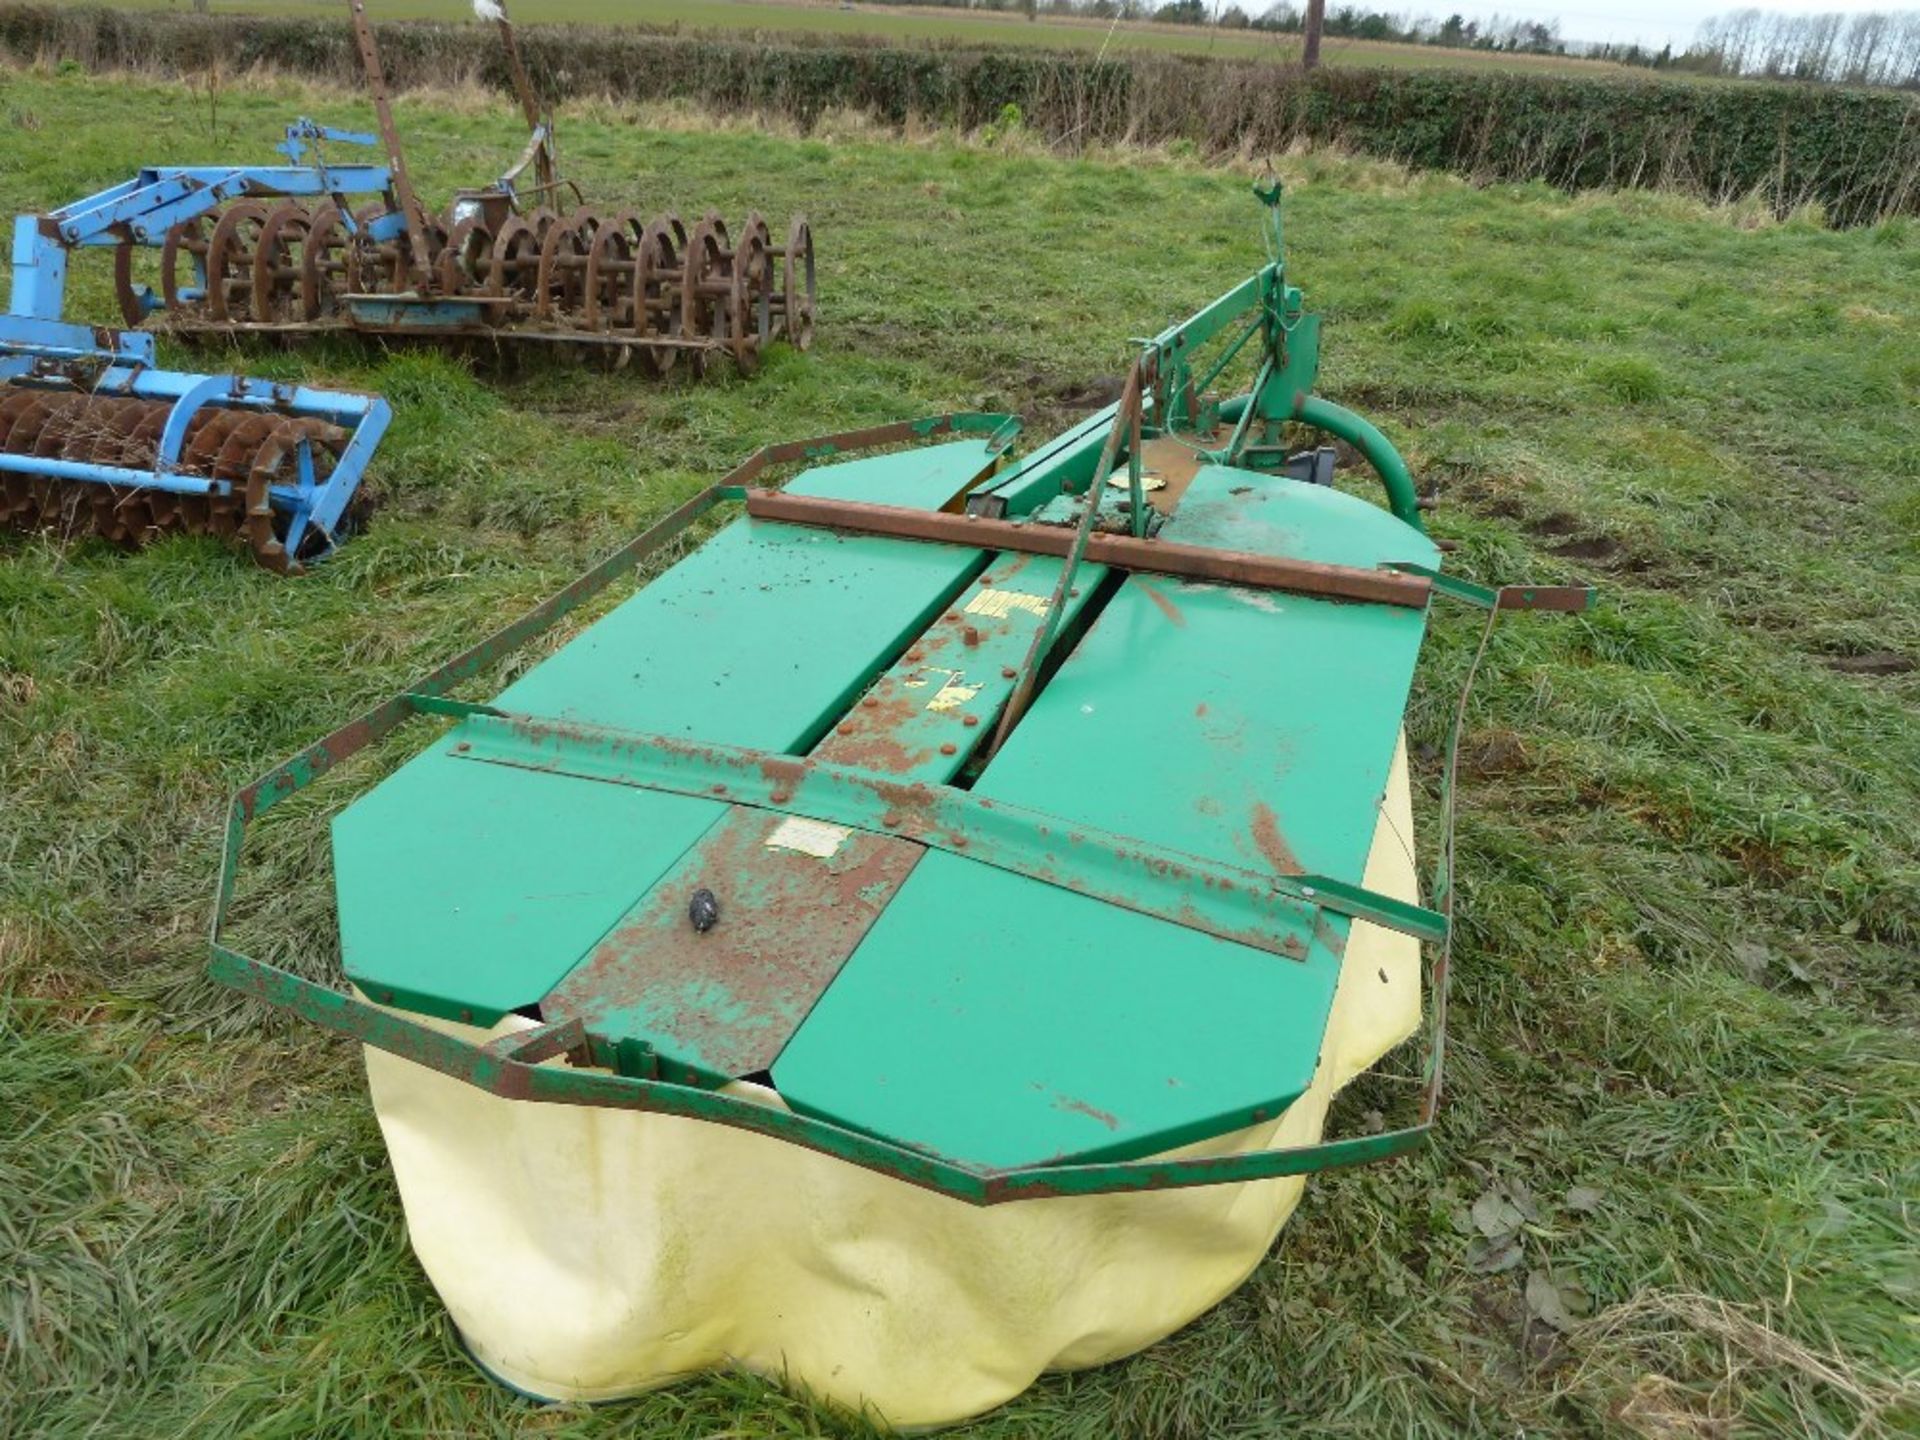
[1402, 499]
[1337, 420]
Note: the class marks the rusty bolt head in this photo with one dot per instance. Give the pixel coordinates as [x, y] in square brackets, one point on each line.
[986, 579]
[914, 657]
[1007, 672]
[948, 747]
[959, 842]
[462, 748]
[969, 720]
[780, 797]
[891, 819]
[970, 636]
[845, 727]
[719, 789]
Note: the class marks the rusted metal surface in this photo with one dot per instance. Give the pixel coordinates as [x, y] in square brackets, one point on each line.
[538, 121]
[794, 898]
[1174, 463]
[613, 283]
[928, 713]
[1122, 552]
[1269, 841]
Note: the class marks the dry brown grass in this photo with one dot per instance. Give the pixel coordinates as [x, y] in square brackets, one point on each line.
[1720, 1344]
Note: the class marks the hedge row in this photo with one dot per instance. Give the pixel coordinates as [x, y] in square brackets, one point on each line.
[1856, 152]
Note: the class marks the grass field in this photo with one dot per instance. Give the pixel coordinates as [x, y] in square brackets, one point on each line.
[922, 24]
[1685, 1078]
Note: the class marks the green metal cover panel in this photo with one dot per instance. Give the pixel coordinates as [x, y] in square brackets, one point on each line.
[1233, 510]
[997, 1020]
[926, 478]
[463, 893]
[759, 637]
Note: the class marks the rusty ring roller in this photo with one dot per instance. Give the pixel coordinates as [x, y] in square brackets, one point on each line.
[251, 450]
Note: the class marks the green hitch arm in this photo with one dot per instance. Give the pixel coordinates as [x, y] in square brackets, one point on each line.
[1360, 433]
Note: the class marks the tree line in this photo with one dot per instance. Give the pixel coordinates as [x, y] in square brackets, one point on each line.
[1869, 48]
[1873, 48]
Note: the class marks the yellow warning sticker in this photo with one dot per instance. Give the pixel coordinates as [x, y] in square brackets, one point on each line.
[1001, 603]
[953, 694]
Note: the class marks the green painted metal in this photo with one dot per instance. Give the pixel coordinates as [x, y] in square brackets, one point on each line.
[511, 1068]
[758, 638]
[1267, 911]
[655, 994]
[1281, 392]
[994, 990]
[1302, 522]
[1567, 598]
[1110, 1034]
[928, 479]
[1249, 727]
[1365, 437]
[1062, 465]
[502, 1074]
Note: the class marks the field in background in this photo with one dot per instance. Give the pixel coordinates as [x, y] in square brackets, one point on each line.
[989, 29]
[1672, 1194]
[1854, 153]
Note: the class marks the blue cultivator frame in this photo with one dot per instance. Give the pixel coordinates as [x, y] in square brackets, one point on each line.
[65, 389]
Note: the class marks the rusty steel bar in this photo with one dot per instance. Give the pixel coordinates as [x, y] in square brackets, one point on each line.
[543, 168]
[1126, 421]
[1155, 557]
[390, 137]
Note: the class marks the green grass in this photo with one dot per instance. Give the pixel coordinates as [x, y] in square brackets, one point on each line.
[918, 24]
[1689, 859]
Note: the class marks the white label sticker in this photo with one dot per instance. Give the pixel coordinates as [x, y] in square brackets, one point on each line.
[809, 837]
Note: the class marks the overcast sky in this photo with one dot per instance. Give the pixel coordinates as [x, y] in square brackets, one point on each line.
[1652, 22]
